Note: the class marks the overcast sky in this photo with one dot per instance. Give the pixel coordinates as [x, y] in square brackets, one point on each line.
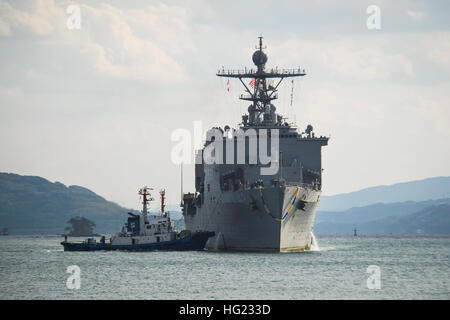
[96, 106]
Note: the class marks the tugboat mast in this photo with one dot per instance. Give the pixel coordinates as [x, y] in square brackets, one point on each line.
[261, 93]
[146, 198]
[163, 199]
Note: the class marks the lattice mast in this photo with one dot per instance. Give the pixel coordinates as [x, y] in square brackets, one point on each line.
[163, 201]
[261, 93]
[146, 198]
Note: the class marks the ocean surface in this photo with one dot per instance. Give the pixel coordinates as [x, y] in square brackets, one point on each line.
[411, 267]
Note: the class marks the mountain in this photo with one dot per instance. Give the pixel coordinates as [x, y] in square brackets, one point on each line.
[427, 217]
[419, 190]
[34, 205]
[430, 220]
[376, 211]
[409, 207]
[175, 211]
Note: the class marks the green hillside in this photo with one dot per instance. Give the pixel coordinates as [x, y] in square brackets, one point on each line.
[34, 205]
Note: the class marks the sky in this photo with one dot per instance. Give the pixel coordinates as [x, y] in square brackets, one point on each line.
[96, 106]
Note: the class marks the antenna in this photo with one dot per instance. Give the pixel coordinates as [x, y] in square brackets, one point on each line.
[181, 185]
[292, 92]
[260, 44]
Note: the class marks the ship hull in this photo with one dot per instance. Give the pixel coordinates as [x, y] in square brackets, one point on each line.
[195, 242]
[275, 219]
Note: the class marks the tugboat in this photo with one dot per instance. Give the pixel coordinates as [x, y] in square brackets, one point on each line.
[144, 232]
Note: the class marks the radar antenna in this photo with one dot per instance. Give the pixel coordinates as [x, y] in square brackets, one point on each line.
[261, 94]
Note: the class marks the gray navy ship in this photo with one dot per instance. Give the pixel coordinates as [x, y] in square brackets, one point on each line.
[246, 209]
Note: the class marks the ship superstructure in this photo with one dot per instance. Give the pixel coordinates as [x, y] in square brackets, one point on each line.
[247, 208]
[146, 228]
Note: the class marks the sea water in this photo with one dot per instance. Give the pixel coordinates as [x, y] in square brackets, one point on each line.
[340, 267]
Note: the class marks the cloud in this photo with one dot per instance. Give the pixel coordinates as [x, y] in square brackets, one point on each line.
[168, 27]
[438, 48]
[97, 105]
[125, 44]
[41, 18]
[357, 58]
[119, 52]
[415, 15]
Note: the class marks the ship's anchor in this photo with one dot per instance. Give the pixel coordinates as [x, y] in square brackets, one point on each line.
[287, 212]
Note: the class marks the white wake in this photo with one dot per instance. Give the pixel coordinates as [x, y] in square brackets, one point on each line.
[314, 244]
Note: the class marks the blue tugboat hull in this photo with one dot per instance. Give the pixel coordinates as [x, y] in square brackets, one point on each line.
[193, 242]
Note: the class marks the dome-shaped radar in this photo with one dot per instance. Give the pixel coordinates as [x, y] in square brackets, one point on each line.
[259, 58]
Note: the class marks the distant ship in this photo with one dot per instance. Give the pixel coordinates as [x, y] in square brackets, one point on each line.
[4, 232]
[245, 209]
[144, 232]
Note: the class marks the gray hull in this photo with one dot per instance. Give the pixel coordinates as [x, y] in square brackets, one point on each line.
[277, 219]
